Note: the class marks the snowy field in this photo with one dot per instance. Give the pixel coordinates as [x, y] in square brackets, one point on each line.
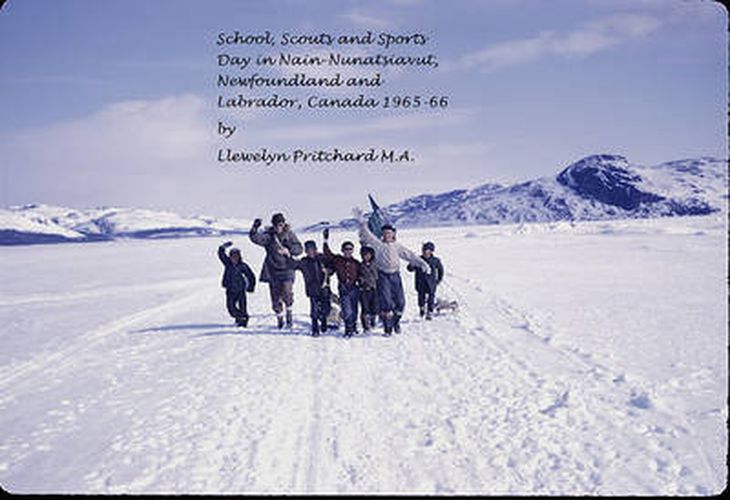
[586, 359]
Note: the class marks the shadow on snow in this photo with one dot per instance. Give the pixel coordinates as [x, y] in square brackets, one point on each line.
[300, 328]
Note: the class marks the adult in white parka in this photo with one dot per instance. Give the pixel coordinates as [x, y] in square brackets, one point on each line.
[388, 253]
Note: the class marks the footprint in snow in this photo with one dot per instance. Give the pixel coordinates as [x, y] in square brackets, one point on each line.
[640, 400]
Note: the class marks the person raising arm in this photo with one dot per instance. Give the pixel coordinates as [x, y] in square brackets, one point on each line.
[388, 254]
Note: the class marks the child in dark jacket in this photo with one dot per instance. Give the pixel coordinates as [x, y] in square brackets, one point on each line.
[368, 288]
[348, 279]
[426, 283]
[312, 266]
[237, 280]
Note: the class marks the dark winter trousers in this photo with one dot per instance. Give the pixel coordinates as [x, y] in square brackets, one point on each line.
[390, 293]
[236, 304]
[426, 297]
[319, 307]
[368, 305]
[349, 297]
[281, 295]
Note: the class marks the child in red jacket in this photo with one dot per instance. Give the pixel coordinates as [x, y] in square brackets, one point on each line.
[348, 278]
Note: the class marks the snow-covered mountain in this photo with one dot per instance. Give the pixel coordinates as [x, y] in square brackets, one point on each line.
[597, 187]
[30, 224]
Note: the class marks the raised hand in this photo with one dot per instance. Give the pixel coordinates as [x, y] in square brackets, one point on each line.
[257, 223]
[326, 233]
[227, 244]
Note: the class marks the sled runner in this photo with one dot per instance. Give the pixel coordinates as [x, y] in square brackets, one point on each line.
[443, 306]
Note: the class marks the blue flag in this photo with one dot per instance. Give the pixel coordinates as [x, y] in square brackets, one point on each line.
[376, 219]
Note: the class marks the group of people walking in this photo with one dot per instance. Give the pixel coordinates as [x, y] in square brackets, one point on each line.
[371, 285]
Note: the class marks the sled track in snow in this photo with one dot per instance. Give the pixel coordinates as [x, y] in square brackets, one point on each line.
[257, 435]
[483, 401]
[608, 396]
[90, 293]
[52, 364]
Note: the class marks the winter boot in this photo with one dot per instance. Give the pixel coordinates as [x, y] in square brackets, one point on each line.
[289, 320]
[396, 323]
[422, 312]
[387, 326]
[279, 321]
[323, 326]
[315, 330]
[429, 315]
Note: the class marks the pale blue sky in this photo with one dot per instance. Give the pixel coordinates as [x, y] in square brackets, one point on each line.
[113, 102]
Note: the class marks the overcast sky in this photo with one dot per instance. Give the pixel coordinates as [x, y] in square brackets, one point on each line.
[113, 102]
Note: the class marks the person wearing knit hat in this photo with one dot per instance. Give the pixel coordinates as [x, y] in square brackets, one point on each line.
[316, 285]
[388, 253]
[426, 283]
[277, 219]
[347, 269]
[368, 288]
[237, 280]
[281, 244]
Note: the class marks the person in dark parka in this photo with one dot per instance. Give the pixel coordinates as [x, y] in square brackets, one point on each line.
[280, 244]
[426, 283]
[237, 280]
[313, 267]
[368, 288]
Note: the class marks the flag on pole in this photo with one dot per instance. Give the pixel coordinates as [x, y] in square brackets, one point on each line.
[376, 219]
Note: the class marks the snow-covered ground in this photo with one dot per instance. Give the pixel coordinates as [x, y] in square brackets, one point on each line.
[584, 359]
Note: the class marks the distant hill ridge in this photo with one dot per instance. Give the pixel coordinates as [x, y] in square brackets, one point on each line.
[597, 187]
[35, 223]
